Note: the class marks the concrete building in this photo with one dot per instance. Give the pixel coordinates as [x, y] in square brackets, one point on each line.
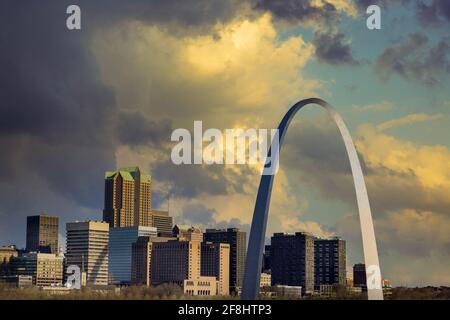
[187, 233]
[87, 247]
[120, 251]
[162, 222]
[42, 234]
[46, 269]
[288, 291]
[6, 253]
[292, 258]
[359, 275]
[238, 243]
[141, 259]
[266, 280]
[201, 286]
[128, 198]
[18, 281]
[175, 261]
[329, 262]
[215, 262]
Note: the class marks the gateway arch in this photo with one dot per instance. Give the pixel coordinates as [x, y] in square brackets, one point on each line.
[250, 289]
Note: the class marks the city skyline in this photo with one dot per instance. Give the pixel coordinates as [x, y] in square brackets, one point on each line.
[78, 103]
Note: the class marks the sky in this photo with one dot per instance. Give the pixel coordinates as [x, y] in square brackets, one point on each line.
[75, 104]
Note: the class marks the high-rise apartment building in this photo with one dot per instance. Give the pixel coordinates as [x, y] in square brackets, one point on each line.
[175, 261]
[120, 251]
[87, 247]
[42, 234]
[215, 261]
[141, 259]
[6, 253]
[329, 262]
[359, 275]
[292, 260]
[237, 241]
[46, 269]
[187, 233]
[128, 198]
[265, 268]
[162, 222]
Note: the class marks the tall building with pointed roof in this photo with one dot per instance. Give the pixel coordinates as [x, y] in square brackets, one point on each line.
[128, 198]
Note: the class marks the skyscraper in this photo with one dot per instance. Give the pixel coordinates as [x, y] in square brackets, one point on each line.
[162, 222]
[237, 241]
[292, 259]
[120, 247]
[128, 198]
[175, 261]
[141, 259]
[329, 262]
[359, 275]
[215, 261]
[87, 247]
[42, 233]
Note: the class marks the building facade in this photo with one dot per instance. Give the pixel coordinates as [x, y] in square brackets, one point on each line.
[128, 198]
[187, 233]
[237, 241]
[329, 262]
[292, 259]
[162, 222]
[120, 251]
[46, 269]
[201, 286]
[6, 253]
[87, 247]
[141, 259]
[265, 280]
[266, 259]
[175, 261]
[215, 262]
[359, 275]
[42, 234]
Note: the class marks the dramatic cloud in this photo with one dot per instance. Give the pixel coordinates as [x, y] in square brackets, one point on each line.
[434, 12]
[414, 59]
[333, 48]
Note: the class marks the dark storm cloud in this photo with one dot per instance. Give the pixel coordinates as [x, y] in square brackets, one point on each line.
[433, 13]
[415, 59]
[299, 11]
[135, 129]
[333, 48]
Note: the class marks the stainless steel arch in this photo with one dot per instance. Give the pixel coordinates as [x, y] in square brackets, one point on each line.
[252, 273]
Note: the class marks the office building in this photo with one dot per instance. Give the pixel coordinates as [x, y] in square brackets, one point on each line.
[266, 280]
[329, 262]
[292, 258]
[359, 275]
[175, 261]
[201, 286]
[266, 259]
[237, 241]
[141, 259]
[87, 247]
[120, 247]
[215, 262]
[46, 269]
[128, 198]
[162, 222]
[288, 291]
[6, 253]
[42, 234]
[187, 233]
